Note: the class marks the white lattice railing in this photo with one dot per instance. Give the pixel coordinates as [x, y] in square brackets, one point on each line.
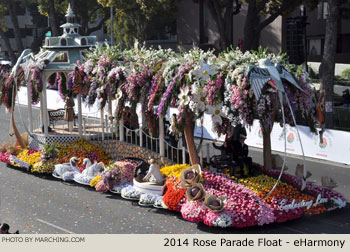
[93, 128]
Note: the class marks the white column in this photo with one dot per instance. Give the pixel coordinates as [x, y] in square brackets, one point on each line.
[106, 123]
[84, 126]
[143, 123]
[140, 137]
[103, 131]
[161, 136]
[110, 113]
[80, 124]
[30, 115]
[41, 111]
[44, 105]
[183, 155]
[102, 111]
[121, 129]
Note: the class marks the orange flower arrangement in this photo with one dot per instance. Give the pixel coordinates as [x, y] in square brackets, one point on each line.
[175, 181]
[174, 194]
[262, 185]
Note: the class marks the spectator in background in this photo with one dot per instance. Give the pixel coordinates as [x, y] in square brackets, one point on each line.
[172, 137]
[240, 155]
[346, 98]
[171, 131]
[5, 229]
[228, 146]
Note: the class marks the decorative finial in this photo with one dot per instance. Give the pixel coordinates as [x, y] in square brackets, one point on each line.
[70, 12]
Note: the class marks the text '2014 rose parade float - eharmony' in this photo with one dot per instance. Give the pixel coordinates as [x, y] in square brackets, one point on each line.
[233, 87]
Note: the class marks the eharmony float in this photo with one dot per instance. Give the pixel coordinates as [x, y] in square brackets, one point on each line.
[139, 158]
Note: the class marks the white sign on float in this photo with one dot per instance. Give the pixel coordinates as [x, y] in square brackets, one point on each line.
[334, 147]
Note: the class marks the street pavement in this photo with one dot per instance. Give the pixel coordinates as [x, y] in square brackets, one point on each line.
[44, 205]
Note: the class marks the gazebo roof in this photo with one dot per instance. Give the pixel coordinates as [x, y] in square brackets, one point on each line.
[63, 52]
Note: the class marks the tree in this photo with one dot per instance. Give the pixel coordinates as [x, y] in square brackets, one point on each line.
[51, 8]
[327, 66]
[11, 8]
[267, 9]
[4, 5]
[87, 12]
[8, 45]
[129, 23]
[3, 34]
[134, 17]
[41, 24]
[222, 11]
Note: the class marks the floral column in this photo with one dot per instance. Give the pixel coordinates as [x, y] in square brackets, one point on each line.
[43, 105]
[79, 116]
[29, 99]
[121, 129]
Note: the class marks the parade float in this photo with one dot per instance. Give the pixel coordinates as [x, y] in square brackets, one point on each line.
[233, 88]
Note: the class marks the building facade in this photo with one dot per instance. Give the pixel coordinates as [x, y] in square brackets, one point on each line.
[29, 31]
[32, 26]
[195, 26]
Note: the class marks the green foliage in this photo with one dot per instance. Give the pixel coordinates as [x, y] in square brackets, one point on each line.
[50, 152]
[261, 52]
[3, 10]
[264, 53]
[86, 11]
[140, 19]
[60, 6]
[346, 73]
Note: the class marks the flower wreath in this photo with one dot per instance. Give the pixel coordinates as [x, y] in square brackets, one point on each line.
[61, 85]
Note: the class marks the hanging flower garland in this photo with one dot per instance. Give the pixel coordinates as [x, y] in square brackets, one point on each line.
[6, 90]
[195, 82]
[35, 69]
[60, 81]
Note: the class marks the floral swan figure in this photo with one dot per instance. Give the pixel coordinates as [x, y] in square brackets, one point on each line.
[90, 172]
[66, 171]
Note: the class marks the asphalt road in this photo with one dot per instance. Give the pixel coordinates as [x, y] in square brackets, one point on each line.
[44, 205]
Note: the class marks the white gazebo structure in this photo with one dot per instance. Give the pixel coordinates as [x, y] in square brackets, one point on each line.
[60, 55]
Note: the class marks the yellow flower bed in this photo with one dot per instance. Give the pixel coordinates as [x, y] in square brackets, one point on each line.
[30, 159]
[41, 167]
[259, 183]
[174, 169]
